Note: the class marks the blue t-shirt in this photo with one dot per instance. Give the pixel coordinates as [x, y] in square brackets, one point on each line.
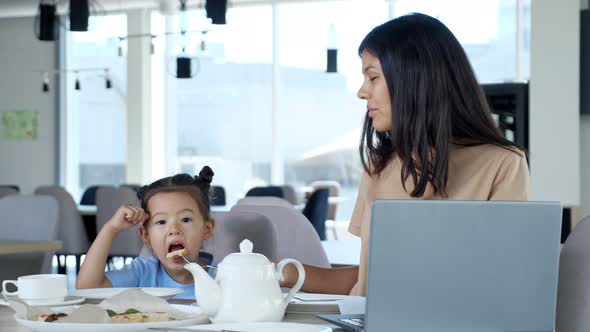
[148, 272]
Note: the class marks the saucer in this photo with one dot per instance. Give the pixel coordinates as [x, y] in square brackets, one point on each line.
[68, 300]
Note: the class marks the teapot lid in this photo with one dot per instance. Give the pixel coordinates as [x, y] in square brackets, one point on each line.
[245, 256]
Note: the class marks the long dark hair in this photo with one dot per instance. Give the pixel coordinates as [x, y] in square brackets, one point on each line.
[435, 101]
[198, 187]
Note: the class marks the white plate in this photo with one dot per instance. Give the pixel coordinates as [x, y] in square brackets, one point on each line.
[115, 327]
[105, 293]
[68, 300]
[263, 327]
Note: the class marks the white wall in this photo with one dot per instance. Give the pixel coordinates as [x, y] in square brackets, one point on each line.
[554, 101]
[25, 163]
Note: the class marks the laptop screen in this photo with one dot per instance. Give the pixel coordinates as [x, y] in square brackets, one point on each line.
[463, 265]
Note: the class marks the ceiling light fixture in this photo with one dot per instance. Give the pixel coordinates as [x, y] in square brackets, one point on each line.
[79, 14]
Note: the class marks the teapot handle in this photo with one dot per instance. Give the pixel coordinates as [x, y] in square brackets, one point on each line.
[299, 283]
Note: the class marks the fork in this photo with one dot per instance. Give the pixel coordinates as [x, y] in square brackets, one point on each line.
[189, 260]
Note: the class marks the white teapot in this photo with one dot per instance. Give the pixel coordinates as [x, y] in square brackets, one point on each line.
[246, 288]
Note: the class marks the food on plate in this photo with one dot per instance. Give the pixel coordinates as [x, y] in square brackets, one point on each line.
[177, 253]
[134, 316]
[50, 317]
[129, 316]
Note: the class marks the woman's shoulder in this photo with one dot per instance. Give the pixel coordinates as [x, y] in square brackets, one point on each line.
[489, 152]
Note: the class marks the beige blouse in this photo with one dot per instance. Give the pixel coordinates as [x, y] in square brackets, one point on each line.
[484, 172]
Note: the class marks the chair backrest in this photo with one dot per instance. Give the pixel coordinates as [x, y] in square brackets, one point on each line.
[12, 186]
[316, 211]
[289, 194]
[573, 289]
[6, 191]
[29, 218]
[296, 236]
[70, 228]
[231, 227]
[275, 191]
[108, 200]
[265, 200]
[89, 196]
[133, 186]
[217, 196]
[334, 188]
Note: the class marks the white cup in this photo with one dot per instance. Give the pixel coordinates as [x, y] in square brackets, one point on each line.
[38, 288]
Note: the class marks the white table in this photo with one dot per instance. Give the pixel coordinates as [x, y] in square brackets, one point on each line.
[87, 210]
[343, 252]
[20, 247]
[8, 323]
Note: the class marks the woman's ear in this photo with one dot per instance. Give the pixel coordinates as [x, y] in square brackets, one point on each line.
[145, 236]
[209, 229]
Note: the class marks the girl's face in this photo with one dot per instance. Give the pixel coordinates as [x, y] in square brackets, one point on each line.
[175, 223]
[374, 90]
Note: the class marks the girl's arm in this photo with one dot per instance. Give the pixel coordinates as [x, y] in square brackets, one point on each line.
[92, 270]
[323, 280]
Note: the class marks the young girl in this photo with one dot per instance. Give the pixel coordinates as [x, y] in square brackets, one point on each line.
[174, 215]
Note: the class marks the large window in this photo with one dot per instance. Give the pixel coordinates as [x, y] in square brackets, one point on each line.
[96, 134]
[319, 111]
[222, 116]
[494, 33]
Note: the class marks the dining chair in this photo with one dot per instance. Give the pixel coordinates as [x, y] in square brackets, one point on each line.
[274, 191]
[231, 227]
[132, 186]
[265, 200]
[334, 191]
[573, 290]
[89, 196]
[316, 211]
[296, 237]
[7, 190]
[108, 199]
[70, 227]
[27, 218]
[218, 196]
[289, 194]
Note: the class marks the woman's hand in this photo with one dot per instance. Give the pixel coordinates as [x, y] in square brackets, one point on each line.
[126, 217]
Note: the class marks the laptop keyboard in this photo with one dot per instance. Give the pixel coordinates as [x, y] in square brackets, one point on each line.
[360, 322]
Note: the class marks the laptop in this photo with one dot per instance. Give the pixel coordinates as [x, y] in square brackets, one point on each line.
[484, 266]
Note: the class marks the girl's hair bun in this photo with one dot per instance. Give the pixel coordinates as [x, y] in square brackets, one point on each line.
[141, 192]
[206, 175]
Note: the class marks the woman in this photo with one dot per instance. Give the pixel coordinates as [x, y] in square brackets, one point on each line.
[428, 134]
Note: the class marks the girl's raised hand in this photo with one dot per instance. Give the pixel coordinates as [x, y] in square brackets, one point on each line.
[126, 217]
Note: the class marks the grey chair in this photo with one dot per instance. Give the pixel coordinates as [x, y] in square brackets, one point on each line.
[289, 194]
[108, 200]
[265, 200]
[296, 237]
[28, 218]
[231, 227]
[6, 191]
[573, 290]
[70, 226]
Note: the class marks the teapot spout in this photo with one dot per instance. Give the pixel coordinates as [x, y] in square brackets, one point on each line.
[207, 291]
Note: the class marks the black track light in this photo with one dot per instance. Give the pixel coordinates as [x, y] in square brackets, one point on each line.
[183, 67]
[332, 63]
[46, 22]
[216, 10]
[77, 84]
[79, 14]
[108, 83]
[45, 87]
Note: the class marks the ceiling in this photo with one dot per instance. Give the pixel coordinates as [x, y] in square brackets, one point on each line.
[19, 8]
